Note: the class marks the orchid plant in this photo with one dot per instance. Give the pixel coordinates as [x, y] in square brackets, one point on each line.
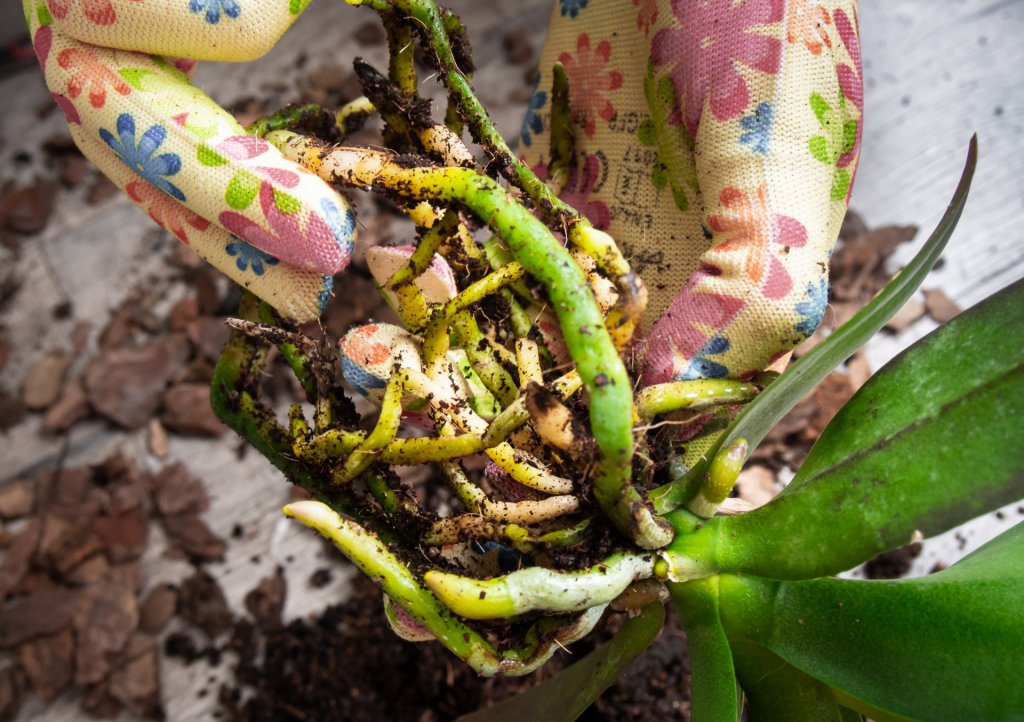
[586, 506]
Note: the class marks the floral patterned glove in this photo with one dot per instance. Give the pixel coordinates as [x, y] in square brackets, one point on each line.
[717, 141]
[262, 220]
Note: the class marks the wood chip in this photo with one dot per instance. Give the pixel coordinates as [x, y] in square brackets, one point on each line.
[518, 47]
[858, 369]
[829, 396]
[187, 411]
[265, 601]
[67, 542]
[106, 616]
[71, 407]
[912, 311]
[27, 210]
[182, 314]
[156, 439]
[202, 604]
[940, 308]
[757, 485]
[178, 491]
[158, 609]
[48, 663]
[43, 381]
[124, 533]
[93, 569]
[12, 411]
[370, 34]
[136, 681]
[126, 385]
[12, 688]
[18, 559]
[36, 615]
[17, 498]
[191, 534]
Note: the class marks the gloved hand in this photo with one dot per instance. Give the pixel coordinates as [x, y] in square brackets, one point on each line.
[717, 142]
[119, 71]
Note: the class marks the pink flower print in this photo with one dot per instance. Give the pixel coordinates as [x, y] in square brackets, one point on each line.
[581, 183]
[806, 24]
[41, 43]
[646, 14]
[70, 111]
[166, 211]
[583, 180]
[315, 247]
[90, 71]
[751, 227]
[684, 329]
[714, 37]
[246, 147]
[851, 81]
[590, 83]
[100, 12]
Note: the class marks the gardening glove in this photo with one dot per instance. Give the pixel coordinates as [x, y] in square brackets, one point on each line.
[120, 72]
[717, 142]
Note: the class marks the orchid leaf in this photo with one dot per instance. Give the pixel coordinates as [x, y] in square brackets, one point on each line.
[567, 695]
[932, 440]
[776, 691]
[762, 414]
[714, 695]
[949, 646]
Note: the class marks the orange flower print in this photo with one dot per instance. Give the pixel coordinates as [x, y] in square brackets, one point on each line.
[590, 83]
[100, 12]
[90, 71]
[166, 211]
[807, 23]
[646, 14]
[751, 227]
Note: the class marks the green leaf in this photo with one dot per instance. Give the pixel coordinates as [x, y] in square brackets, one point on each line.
[779, 692]
[764, 412]
[646, 133]
[286, 203]
[849, 135]
[43, 13]
[818, 146]
[840, 184]
[567, 695]
[949, 646]
[713, 692]
[135, 76]
[821, 109]
[210, 158]
[242, 190]
[930, 441]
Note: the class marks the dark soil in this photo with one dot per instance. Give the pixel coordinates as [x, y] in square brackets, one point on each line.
[347, 665]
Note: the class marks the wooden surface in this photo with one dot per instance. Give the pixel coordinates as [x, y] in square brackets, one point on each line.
[936, 71]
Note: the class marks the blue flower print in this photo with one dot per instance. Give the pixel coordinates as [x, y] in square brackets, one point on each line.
[324, 297]
[358, 377]
[341, 225]
[812, 309]
[758, 127]
[214, 8]
[572, 7]
[140, 158]
[701, 367]
[249, 255]
[532, 122]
